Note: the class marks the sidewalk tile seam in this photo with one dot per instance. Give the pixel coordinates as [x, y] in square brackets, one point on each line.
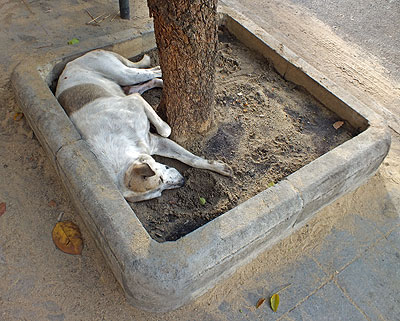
[333, 276]
[358, 256]
[285, 318]
[371, 251]
[324, 282]
[386, 237]
[348, 297]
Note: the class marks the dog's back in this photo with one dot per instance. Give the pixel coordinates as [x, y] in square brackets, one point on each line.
[85, 79]
[75, 97]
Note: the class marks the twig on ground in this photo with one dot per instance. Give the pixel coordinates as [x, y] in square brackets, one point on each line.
[27, 6]
[93, 21]
[105, 17]
[44, 46]
[115, 16]
[90, 15]
[283, 288]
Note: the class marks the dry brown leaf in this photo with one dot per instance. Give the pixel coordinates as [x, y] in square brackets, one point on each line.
[67, 237]
[338, 124]
[2, 208]
[18, 116]
[52, 203]
[260, 302]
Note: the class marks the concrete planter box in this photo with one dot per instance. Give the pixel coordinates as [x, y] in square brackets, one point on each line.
[164, 276]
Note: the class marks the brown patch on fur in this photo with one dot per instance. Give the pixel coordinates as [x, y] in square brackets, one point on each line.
[140, 178]
[143, 170]
[75, 97]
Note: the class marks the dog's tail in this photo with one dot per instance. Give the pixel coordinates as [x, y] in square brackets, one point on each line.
[143, 63]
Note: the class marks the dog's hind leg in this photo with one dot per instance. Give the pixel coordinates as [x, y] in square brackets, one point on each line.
[168, 148]
[154, 83]
[111, 66]
[126, 76]
[143, 63]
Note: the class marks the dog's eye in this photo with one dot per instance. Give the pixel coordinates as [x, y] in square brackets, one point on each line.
[167, 167]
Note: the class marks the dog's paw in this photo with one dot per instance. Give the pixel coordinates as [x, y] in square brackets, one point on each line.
[227, 170]
[157, 72]
[158, 82]
[164, 130]
[221, 168]
[145, 61]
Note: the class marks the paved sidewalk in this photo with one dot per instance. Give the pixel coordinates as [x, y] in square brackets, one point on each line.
[343, 265]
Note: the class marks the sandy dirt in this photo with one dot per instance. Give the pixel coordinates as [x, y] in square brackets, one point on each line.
[267, 128]
[38, 282]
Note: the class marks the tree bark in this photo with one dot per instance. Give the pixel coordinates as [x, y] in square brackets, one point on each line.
[186, 36]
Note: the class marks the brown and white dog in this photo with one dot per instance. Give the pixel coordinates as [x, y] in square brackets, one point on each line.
[117, 125]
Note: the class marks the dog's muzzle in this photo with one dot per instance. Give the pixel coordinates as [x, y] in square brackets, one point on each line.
[182, 182]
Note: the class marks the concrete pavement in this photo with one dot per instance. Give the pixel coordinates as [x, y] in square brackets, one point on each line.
[343, 265]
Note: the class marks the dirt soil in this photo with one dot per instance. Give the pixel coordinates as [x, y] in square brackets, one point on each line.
[267, 129]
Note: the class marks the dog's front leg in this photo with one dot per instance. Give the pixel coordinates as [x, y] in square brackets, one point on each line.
[168, 148]
[161, 126]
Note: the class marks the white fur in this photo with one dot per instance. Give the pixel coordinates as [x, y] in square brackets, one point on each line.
[117, 127]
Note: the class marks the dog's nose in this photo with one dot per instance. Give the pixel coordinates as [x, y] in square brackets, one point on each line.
[182, 182]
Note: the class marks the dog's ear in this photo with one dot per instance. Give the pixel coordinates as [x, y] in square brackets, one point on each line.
[135, 178]
[143, 170]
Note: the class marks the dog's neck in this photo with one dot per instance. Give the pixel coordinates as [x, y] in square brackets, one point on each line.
[116, 155]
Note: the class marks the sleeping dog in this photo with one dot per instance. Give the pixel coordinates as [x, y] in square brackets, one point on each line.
[101, 92]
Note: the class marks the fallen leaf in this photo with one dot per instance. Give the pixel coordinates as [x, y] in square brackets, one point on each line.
[338, 124]
[2, 208]
[73, 41]
[52, 203]
[260, 302]
[270, 184]
[18, 116]
[67, 237]
[275, 302]
[202, 200]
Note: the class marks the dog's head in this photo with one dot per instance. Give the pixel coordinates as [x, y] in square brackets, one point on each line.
[146, 179]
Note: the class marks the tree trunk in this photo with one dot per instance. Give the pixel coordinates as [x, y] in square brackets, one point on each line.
[186, 36]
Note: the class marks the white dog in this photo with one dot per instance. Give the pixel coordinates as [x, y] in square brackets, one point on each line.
[117, 126]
